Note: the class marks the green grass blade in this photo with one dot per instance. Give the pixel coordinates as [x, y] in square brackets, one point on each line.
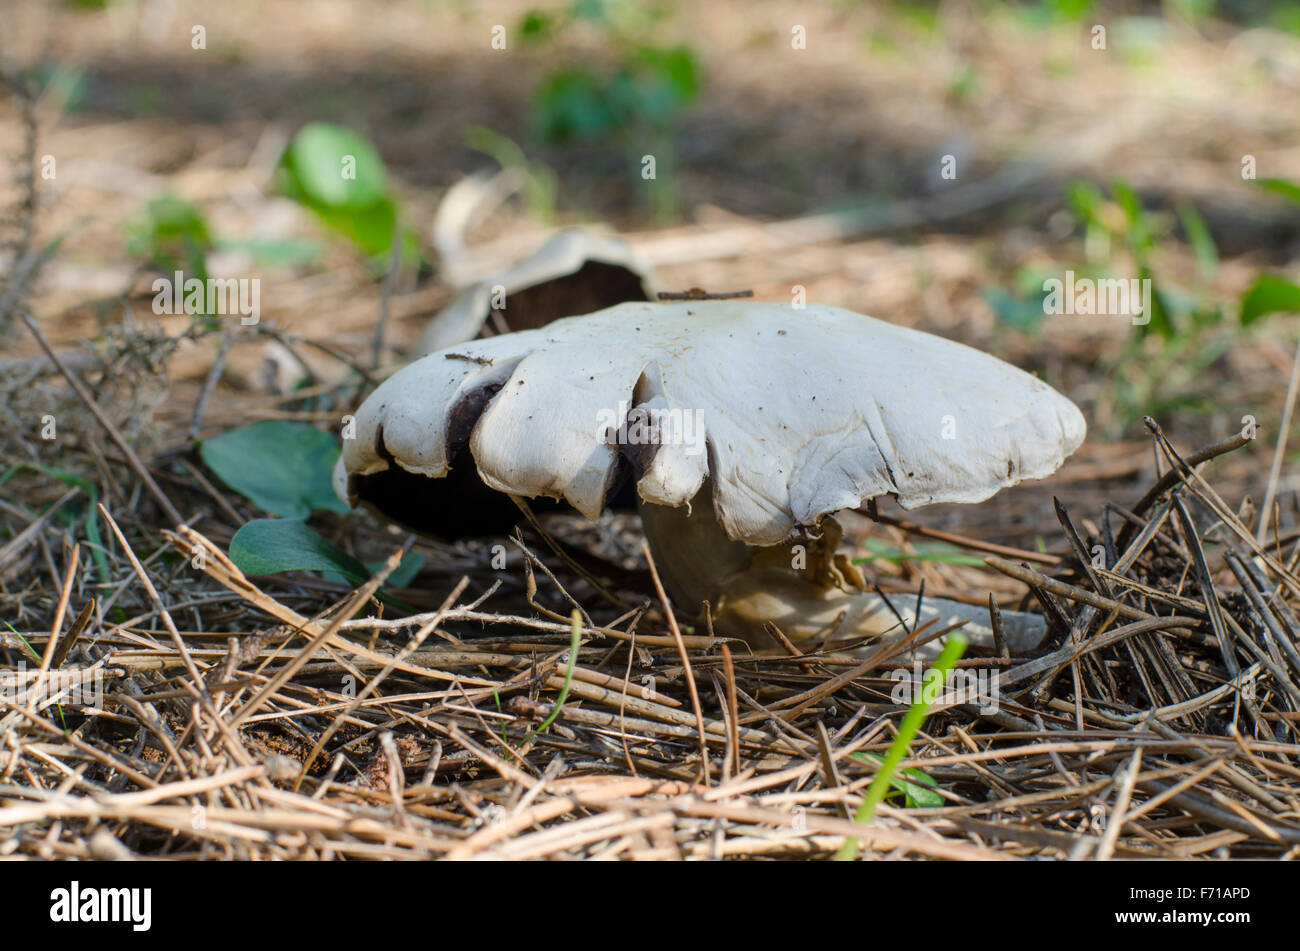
[574, 640]
[952, 650]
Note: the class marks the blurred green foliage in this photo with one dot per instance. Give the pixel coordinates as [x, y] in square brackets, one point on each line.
[632, 100]
[172, 235]
[541, 187]
[339, 175]
[65, 85]
[1159, 366]
[1272, 293]
[647, 89]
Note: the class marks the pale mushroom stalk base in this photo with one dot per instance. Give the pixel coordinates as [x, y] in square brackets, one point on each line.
[811, 592]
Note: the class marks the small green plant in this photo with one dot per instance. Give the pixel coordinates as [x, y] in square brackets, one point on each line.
[936, 677]
[916, 790]
[575, 638]
[1184, 329]
[284, 469]
[1159, 368]
[540, 186]
[634, 100]
[172, 235]
[1271, 293]
[338, 174]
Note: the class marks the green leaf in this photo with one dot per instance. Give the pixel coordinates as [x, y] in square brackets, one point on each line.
[171, 236]
[1085, 200]
[652, 85]
[1286, 17]
[1127, 199]
[339, 175]
[673, 74]
[1198, 236]
[1140, 235]
[371, 228]
[1162, 320]
[282, 467]
[537, 25]
[405, 571]
[401, 577]
[915, 794]
[1023, 314]
[268, 546]
[1269, 294]
[1282, 186]
[573, 105]
[333, 167]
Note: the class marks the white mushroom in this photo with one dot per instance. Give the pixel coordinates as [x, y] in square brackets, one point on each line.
[574, 272]
[745, 426]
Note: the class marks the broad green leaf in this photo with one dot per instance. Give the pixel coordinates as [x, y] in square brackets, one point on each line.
[401, 577]
[268, 546]
[673, 74]
[370, 228]
[330, 166]
[282, 467]
[1269, 294]
[339, 175]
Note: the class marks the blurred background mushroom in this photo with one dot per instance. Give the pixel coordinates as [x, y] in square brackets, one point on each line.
[575, 272]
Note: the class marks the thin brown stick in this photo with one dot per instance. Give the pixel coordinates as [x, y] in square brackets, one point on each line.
[686, 662]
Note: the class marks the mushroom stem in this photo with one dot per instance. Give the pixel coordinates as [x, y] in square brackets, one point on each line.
[805, 588]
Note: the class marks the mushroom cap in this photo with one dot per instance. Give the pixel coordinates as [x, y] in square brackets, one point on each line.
[792, 414]
[613, 273]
